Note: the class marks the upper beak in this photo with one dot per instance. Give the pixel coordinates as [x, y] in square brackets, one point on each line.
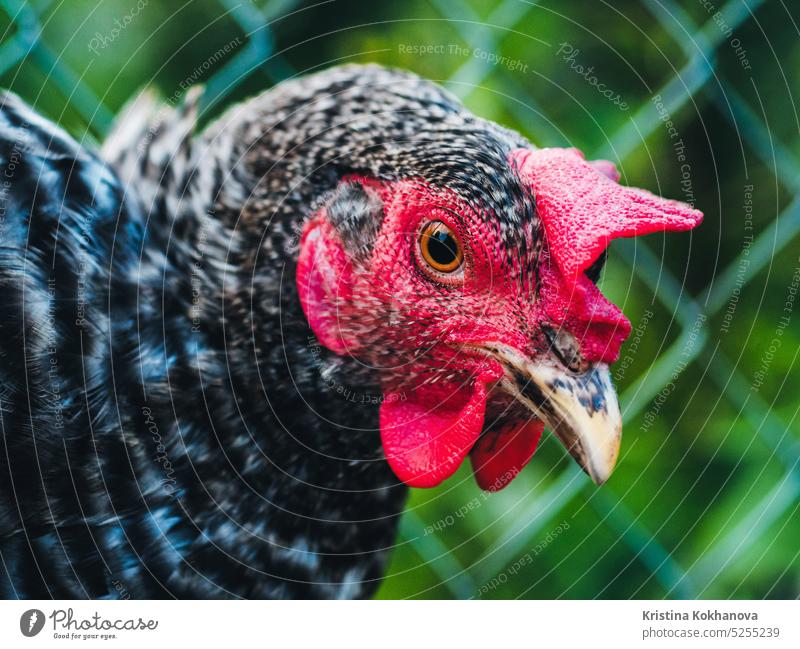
[580, 408]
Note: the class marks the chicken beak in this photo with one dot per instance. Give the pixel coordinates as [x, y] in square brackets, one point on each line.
[580, 408]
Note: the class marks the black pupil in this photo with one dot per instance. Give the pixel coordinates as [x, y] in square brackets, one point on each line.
[442, 248]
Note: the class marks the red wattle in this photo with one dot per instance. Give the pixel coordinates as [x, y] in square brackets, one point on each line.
[579, 307]
[501, 454]
[427, 431]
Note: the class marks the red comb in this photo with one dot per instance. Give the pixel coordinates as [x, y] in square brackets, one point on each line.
[583, 208]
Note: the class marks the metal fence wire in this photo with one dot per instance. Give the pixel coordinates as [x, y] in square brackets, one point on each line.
[636, 538]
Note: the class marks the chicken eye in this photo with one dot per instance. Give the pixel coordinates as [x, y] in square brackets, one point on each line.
[440, 248]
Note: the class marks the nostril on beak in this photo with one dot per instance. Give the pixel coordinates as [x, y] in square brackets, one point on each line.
[566, 348]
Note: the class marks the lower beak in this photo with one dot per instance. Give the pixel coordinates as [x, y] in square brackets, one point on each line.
[580, 408]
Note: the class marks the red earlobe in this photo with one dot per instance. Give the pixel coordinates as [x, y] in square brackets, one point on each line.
[324, 283]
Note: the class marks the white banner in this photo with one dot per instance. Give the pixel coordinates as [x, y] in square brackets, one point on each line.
[405, 624]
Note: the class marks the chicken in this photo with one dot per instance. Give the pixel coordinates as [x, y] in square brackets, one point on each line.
[226, 354]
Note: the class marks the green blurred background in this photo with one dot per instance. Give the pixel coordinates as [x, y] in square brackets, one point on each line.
[696, 101]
